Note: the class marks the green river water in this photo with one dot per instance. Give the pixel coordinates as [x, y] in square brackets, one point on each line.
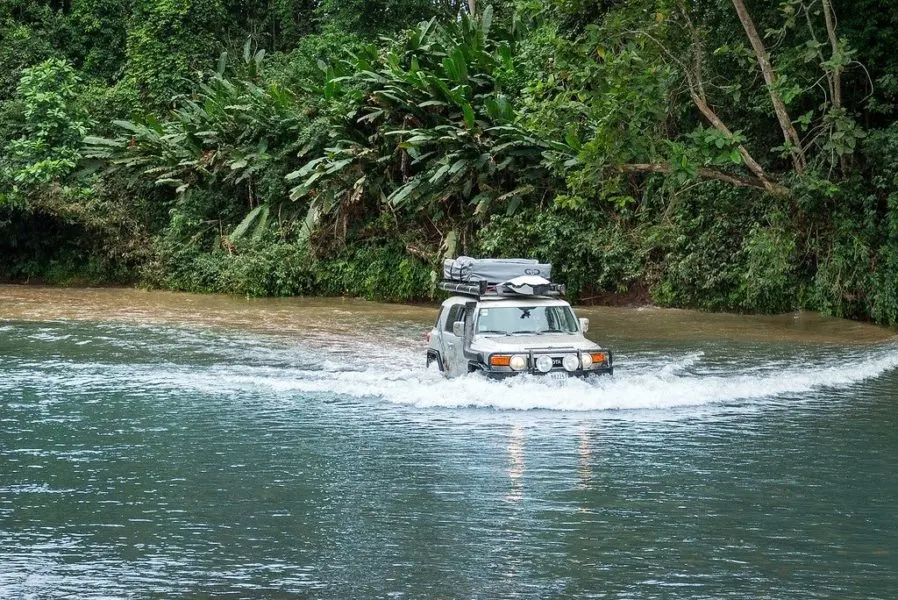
[158, 445]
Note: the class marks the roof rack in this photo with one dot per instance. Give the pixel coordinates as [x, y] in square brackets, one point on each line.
[483, 289]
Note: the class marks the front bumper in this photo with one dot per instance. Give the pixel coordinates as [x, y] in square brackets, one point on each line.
[497, 372]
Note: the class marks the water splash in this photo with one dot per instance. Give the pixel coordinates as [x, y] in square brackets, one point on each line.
[645, 382]
[392, 371]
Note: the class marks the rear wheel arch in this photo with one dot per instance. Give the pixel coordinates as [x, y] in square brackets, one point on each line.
[434, 355]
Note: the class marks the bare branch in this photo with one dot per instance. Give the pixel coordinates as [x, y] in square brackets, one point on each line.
[697, 50]
[829, 78]
[747, 158]
[779, 107]
[829, 17]
[707, 173]
[869, 78]
[420, 252]
[697, 93]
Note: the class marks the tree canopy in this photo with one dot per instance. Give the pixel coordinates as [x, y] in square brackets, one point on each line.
[727, 154]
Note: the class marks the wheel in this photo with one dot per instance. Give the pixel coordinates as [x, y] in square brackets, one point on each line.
[434, 355]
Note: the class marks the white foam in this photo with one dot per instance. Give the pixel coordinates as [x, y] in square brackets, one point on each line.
[395, 373]
[653, 382]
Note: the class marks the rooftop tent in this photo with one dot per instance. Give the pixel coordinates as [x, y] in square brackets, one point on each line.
[465, 269]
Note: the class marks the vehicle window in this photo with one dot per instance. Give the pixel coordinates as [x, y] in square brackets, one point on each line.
[526, 320]
[456, 311]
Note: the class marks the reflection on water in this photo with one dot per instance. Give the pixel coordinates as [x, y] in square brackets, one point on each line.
[169, 446]
[584, 451]
[516, 463]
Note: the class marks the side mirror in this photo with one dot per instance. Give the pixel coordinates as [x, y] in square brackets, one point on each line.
[584, 325]
[458, 329]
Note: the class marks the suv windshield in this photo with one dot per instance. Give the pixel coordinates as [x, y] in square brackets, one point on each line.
[526, 319]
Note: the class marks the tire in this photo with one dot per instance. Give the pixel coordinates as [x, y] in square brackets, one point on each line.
[434, 355]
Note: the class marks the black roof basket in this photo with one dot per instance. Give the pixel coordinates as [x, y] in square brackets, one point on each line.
[483, 289]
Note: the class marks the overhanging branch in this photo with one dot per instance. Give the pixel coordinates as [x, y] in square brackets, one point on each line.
[708, 173]
[779, 107]
[697, 93]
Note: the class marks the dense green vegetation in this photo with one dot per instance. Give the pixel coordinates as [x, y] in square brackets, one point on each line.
[726, 155]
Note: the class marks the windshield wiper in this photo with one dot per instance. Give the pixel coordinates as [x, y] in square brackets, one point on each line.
[493, 331]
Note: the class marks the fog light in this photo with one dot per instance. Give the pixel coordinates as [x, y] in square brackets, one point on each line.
[570, 362]
[586, 359]
[544, 363]
[518, 362]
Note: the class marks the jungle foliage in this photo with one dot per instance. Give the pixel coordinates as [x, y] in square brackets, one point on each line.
[724, 155]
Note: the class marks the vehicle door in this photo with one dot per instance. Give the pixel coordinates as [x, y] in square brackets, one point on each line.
[454, 361]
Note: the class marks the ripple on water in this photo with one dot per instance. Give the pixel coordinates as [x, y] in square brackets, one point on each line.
[168, 461]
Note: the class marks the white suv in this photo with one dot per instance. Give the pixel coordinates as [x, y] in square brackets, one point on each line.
[502, 335]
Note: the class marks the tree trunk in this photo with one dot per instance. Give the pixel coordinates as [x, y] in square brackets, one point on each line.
[834, 43]
[694, 80]
[747, 158]
[779, 107]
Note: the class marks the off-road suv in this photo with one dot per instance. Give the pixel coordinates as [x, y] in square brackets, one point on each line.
[517, 326]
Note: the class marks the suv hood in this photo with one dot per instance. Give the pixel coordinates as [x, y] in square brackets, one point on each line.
[522, 343]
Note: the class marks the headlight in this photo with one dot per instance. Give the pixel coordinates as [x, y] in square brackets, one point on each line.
[586, 359]
[570, 362]
[544, 363]
[518, 362]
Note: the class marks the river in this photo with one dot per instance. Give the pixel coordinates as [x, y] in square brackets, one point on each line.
[162, 445]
